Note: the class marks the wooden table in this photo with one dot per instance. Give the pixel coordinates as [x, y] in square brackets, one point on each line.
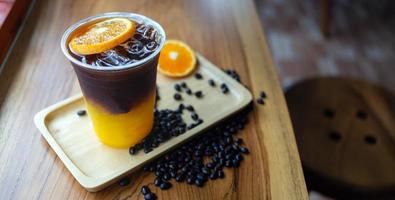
[227, 32]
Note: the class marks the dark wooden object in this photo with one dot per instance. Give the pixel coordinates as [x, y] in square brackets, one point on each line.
[345, 131]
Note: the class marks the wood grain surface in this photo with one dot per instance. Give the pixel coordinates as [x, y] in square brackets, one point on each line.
[227, 32]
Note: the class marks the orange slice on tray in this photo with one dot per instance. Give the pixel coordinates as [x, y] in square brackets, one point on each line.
[176, 59]
[102, 36]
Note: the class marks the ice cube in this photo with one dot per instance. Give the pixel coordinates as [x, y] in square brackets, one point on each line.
[113, 57]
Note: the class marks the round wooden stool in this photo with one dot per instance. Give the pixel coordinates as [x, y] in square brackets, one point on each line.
[345, 131]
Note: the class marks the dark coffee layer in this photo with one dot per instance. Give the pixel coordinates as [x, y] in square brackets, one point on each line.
[117, 91]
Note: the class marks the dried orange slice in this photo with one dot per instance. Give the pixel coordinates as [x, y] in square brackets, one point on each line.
[102, 36]
[176, 59]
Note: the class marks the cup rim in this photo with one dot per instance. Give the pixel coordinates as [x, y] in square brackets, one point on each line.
[133, 16]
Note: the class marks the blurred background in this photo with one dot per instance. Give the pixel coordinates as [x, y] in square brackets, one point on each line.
[336, 57]
[360, 41]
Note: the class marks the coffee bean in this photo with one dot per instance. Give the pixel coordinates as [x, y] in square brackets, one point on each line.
[195, 116]
[199, 182]
[165, 185]
[180, 178]
[211, 82]
[181, 107]
[190, 180]
[177, 87]
[145, 190]
[262, 94]
[184, 85]
[214, 176]
[81, 113]
[158, 181]
[124, 182]
[198, 76]
[199, 94]
[166, 177]
[235, 163]
[239, 157]
[150, 196]
[201, 177]
[210, 165]
[177, 97]
[190, 108]
[239, 141]
[260, 101]
[220, 174]
[188, 91]
[244, 150]
[132, 150]
[224, 88]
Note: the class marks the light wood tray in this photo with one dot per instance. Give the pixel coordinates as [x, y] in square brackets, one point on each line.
[95, 165]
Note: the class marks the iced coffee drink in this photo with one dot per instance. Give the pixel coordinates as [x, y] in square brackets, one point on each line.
[115, 57]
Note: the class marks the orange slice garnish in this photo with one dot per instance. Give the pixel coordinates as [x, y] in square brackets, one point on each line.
[102, 36]
[176, 59]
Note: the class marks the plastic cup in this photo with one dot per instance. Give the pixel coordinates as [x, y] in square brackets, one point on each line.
[120, 99]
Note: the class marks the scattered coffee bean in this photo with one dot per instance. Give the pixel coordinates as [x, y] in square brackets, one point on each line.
[181, 107]
[165, 185]
[150, 196]
[81, 113]
[132, 150]
[199, 94]
[262, 94]
[184, 85]
[188, 91]
[233, 74]
[198, 76]
[158, 181]
[177, 97]
[224, 88]
[145, 190]
[190, 108]
[220, 174]
[211, 82]
[195, 116]
[177, 87]
[199, 182]
[244, 150]
[260, 101]
[124, 182]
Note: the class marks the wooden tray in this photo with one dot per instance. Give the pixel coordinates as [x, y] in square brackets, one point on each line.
[95, 165]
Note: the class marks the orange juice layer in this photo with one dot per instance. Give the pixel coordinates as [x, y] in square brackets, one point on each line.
[122, 130]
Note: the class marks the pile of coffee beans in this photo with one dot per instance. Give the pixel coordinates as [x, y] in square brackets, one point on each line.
[200, 159]
[203, 158]
[167, 124]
